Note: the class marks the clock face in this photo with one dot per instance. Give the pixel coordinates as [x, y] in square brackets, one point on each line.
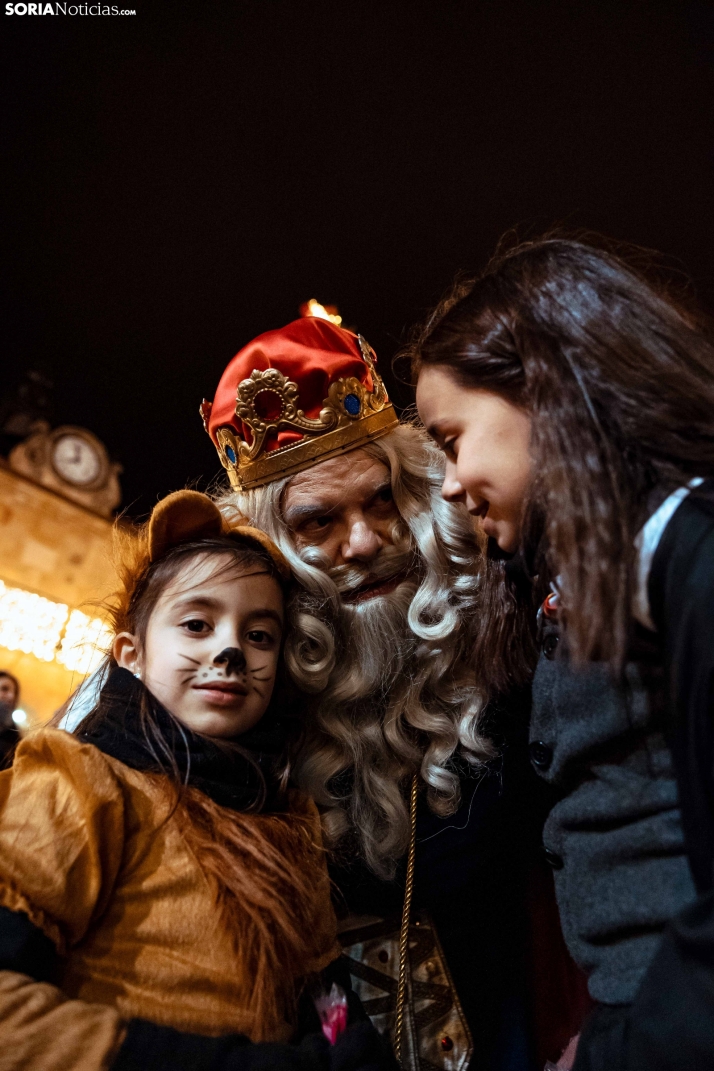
[76, 460]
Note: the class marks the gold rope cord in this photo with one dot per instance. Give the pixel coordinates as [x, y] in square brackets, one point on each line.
[404, 933]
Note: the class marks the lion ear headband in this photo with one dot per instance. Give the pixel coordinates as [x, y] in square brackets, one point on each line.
[189, 516]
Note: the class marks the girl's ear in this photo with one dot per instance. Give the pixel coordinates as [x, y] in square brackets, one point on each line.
[126, 653]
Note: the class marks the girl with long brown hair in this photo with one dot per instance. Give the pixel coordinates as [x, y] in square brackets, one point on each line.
[164, 899]
[574, 402]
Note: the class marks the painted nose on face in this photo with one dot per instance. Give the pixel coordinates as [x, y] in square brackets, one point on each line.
[232, 658]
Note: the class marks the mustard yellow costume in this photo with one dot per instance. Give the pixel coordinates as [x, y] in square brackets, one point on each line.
[88, 854]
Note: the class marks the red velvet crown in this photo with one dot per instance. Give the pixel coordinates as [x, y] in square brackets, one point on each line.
[294, 397]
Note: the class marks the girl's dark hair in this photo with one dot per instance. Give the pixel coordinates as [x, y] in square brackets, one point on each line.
[618, 377]
[143, 583]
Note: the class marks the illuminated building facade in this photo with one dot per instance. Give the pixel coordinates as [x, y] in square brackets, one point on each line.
[57, 492]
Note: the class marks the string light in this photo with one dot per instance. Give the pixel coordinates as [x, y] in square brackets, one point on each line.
[84, 643]
[19, 717]
[49, 631]
[30, 623]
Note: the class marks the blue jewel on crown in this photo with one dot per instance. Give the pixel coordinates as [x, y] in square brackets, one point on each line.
[231, 454]
[352, 404]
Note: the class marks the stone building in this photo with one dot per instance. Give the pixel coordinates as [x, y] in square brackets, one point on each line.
[57, 493]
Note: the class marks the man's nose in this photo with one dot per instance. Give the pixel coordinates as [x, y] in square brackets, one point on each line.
[363, 544]
[451, 489]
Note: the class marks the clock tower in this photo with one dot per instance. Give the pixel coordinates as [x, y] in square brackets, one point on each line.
[58, 489]
[71, 461]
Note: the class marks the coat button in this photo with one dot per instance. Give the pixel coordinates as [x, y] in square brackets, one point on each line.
[541, 755]
[550, 644]
[553, 859]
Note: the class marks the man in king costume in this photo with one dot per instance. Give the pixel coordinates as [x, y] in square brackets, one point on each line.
[317, 458]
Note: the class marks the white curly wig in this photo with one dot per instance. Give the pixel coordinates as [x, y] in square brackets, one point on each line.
[393, 678]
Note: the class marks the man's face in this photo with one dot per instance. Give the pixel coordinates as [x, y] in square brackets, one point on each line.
[345, 507]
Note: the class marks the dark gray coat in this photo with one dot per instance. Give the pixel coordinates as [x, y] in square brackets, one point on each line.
[615, 838]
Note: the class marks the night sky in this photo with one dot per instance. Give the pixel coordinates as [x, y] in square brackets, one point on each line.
[180, 181]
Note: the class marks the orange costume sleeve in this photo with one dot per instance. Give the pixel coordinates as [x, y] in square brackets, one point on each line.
[61, 839]
[132, 894]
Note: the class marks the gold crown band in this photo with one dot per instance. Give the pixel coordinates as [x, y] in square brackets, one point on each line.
[350, 415]
[297, 456]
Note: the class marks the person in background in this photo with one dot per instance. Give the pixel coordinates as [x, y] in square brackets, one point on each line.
[574, 404]
[9, 699]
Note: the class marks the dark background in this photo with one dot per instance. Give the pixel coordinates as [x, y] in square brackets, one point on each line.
[180, 181]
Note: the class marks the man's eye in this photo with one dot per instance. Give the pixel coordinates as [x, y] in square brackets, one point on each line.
[385, 495]
[195, 625]
[449, 448]
[318, 522]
